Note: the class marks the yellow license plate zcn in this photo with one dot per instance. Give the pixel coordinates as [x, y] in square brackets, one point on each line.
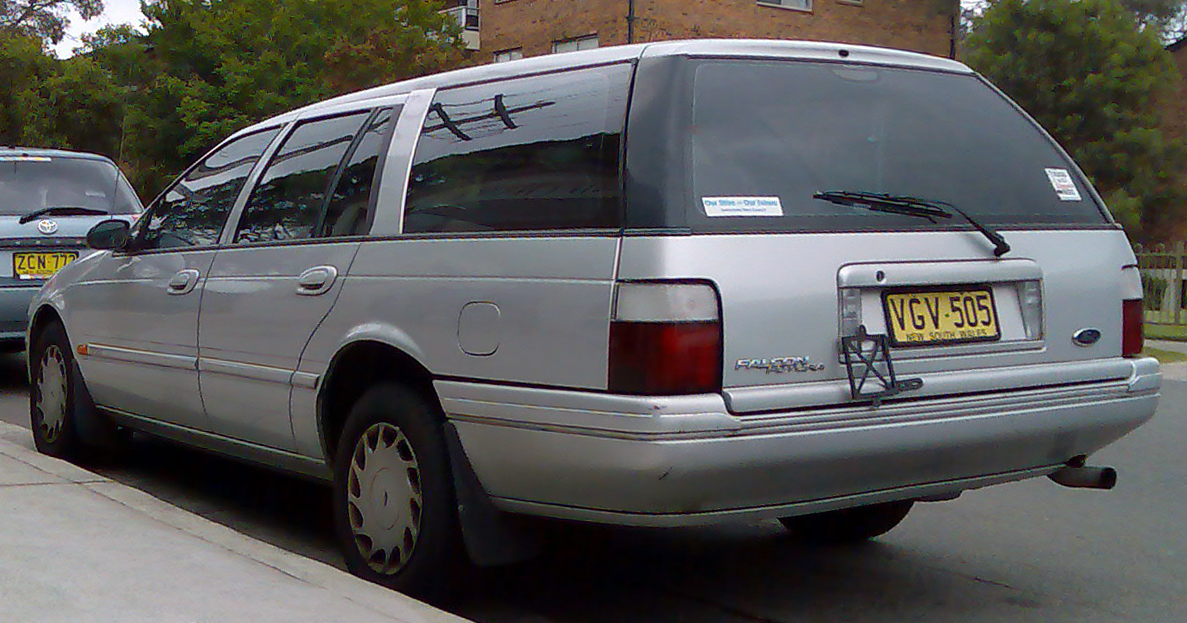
[950, 316]
[40, 265]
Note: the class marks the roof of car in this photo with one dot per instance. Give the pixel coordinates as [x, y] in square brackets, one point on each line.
[38, 152]
[748, 48]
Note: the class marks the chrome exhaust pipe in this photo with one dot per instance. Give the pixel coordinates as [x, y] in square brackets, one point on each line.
[1079, 476]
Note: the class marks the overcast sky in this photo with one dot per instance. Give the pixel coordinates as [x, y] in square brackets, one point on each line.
[128, 11]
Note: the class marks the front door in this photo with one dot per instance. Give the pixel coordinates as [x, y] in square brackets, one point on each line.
[277, 279]
[135, 316]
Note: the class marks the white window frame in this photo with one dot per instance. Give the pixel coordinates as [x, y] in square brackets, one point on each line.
[586, 42]
[794, 5]
[512, 54]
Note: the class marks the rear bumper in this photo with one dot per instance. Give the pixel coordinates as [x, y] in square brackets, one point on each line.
[14, 313]
[686, 460]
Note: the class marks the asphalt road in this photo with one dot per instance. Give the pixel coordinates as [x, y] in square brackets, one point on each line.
[1029, 551]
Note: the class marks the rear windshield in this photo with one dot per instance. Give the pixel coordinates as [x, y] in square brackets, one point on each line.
[765, 136]
[30, 183]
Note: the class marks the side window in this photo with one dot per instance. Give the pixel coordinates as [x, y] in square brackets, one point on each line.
[538, 153]
[349, 211]
[288, 201]
[193, 211]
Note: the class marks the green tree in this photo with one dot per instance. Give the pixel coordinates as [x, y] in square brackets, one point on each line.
[80, 107]
[211, 67]
[23, 66]
[43, 19]
[1092, 77]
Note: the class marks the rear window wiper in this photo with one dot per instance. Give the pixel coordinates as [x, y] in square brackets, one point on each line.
[912, 206]
[62, 211]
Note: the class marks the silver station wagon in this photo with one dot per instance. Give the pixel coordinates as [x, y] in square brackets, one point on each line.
[49, 198]
[651, 285]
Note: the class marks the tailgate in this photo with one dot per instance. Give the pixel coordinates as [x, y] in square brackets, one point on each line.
[954, 317]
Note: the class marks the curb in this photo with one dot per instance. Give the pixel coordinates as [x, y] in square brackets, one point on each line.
[382, 601]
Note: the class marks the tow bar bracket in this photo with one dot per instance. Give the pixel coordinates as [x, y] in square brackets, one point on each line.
[867, 361]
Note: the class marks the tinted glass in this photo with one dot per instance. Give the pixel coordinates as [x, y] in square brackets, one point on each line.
[29, 183]
[539, 153]
[774, 133]
[288, 201]
[350, 205]
[193, 211]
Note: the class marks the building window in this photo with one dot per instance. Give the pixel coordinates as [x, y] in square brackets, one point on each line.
[465, 12]
[508, 55]
[588, 42]
[798, 5]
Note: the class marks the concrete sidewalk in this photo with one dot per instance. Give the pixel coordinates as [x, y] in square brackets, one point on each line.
[77, 547]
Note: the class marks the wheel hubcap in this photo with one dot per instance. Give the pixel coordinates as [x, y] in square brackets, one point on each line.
[51, 393]
[383, 498]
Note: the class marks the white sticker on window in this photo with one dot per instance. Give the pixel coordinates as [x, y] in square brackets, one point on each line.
[1063, 184]
[742, 206]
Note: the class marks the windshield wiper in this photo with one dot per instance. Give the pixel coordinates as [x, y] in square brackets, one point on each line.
[62, 211]
[911, 206]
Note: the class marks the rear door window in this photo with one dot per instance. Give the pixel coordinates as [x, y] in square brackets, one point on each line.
[352, 202]
[291, 196]
[536, 153]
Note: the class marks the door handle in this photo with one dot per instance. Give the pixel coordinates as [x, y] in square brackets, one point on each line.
[183, 282]
[316, 280]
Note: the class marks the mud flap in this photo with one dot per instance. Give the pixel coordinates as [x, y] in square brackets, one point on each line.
[94, 429]
[490, 538]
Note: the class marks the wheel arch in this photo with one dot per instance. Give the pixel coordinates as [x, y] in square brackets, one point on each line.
[354, 368]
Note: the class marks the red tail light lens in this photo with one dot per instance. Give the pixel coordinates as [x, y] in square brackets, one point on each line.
[665, 339]
[1132, 340]
[665, 358]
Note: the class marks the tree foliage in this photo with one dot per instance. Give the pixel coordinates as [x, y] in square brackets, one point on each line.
[1089, 73]
[219, 65]
[43, 19]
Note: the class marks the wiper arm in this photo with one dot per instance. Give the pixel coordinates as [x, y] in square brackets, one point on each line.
[912, 206]
[62, 211]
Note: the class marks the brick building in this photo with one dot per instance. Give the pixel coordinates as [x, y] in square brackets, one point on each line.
[507, 29]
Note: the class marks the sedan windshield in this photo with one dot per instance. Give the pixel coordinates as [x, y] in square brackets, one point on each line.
[32, 183]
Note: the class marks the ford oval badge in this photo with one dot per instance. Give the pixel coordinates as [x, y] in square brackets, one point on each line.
[47, 226]
[1086, 337]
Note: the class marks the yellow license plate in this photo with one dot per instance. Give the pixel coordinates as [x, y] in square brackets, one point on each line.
[948, 316]
[40, 265]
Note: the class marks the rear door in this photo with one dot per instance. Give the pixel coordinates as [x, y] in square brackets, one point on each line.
[281, 272]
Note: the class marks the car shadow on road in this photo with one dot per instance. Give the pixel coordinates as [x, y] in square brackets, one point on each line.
[744, 572]
[13, 374]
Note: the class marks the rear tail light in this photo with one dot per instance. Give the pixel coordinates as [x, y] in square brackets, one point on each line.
[1132, 339]
[665, 339]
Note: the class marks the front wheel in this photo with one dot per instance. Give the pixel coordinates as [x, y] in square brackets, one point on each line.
[394, 506]
[52, 395]
[848, 525]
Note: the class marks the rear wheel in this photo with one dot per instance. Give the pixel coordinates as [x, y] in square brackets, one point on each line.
[394, 506]
[848, 525]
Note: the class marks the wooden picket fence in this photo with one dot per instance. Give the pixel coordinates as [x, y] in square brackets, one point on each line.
[1164, 282]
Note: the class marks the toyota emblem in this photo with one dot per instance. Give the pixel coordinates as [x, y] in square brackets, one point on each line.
[47, 226]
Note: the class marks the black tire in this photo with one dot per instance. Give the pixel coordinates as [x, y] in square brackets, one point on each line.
[52, 395]
[403, 483]
[848, 525]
